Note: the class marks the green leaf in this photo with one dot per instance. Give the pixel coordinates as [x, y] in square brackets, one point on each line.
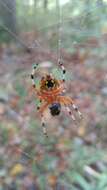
[102, 181]
[42, 182]
[81, 181]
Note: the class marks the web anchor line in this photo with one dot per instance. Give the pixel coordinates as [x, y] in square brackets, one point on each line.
[60, 58]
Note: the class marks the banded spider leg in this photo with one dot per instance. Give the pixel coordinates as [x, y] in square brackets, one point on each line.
[62, 68]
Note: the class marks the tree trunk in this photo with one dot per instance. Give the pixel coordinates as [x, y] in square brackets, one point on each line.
[35, 3]
[45, 4]
[8, 14]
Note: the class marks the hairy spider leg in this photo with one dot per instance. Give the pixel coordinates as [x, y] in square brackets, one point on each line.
[33, 88]
[39, 104]
[38, 107]
[62, 68]
[43, 107]
[76, 109]
[70, 113]
[32, 75]
[66, 101]
[44, 126]
[41, 111]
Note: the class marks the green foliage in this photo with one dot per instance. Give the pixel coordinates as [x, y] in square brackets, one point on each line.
[21, 91]
[42, 182]
[77, 175]
[80, 181]
[4, 134]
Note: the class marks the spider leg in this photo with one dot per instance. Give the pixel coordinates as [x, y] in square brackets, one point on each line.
[32, 76]
[44, 126]
[38, 106]
[62, 68]
[76, 109]
[43, 108]
[70, 113]
[41, 111]
[66, 101]
[33, 90]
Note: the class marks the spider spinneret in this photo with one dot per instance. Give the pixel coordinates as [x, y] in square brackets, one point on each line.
[55, 109]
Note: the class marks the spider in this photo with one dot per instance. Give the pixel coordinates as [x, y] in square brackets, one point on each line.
[51, 95]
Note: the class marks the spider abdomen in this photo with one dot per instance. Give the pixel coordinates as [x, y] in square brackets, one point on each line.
[55, 109]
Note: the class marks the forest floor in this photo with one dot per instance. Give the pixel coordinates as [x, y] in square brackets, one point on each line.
[24, 151]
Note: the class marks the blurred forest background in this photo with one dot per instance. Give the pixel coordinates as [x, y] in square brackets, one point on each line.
[74, 157]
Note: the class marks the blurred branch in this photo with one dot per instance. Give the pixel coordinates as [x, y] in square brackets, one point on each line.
[8, 19]
[45, 4]
[16, 37]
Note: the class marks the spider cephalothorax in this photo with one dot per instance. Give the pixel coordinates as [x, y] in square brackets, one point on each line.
[50, 94]
[48, 83]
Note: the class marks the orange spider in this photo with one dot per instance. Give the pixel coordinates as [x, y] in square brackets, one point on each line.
[51, 94]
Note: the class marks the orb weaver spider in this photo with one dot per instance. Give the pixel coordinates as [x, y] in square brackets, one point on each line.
[50, 94]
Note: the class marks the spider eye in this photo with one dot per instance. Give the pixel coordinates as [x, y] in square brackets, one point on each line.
[49, 83]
